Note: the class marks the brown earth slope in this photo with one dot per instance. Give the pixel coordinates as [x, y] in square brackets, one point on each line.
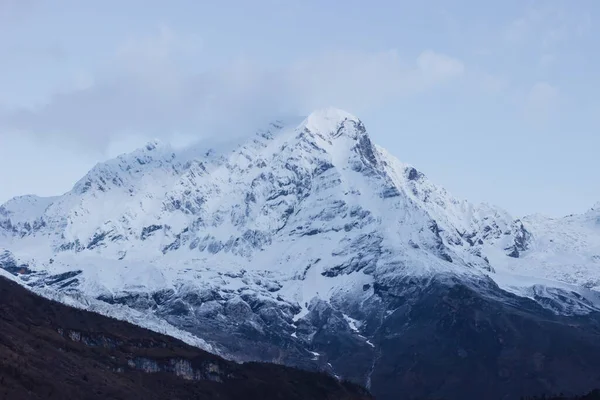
[52, 351]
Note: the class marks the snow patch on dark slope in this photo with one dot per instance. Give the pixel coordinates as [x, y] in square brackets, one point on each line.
[266, 247]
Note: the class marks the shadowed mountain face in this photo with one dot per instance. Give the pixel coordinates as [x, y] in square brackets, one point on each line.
[444, 341]
[593, 395]
[452, 341]
[51, 351]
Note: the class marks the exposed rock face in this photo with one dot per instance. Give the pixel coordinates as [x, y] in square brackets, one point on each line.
[51, 351]
[297, 245]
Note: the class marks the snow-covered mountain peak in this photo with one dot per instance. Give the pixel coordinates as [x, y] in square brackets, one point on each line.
[289, 236]
[152, 144]
[307, 199]
[329, 121]
[26, 208]
[595, 208]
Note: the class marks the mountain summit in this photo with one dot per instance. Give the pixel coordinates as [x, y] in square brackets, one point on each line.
[300, 244]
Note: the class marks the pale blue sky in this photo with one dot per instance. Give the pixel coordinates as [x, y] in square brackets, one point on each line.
[495, 100]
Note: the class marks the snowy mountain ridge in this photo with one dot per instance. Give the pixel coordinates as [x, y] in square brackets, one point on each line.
[301, 217]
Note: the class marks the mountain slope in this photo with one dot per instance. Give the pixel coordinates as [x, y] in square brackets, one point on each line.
[292, 245]
[51, 351]
[505, 346]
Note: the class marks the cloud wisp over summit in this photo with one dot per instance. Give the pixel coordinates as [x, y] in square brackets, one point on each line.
[459, 89]
[147, 91]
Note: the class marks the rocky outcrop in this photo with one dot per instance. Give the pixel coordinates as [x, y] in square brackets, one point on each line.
[51, 351]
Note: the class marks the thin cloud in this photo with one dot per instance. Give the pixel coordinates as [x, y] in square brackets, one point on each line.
[547, 26]
[11, 9]
[148, 92]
